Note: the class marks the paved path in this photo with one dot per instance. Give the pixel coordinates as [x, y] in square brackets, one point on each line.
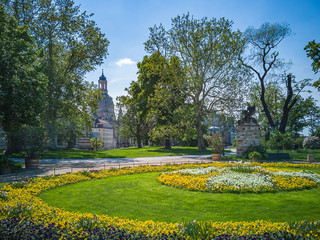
[61, 166]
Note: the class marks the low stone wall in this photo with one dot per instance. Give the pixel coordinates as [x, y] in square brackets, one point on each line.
[248, 134]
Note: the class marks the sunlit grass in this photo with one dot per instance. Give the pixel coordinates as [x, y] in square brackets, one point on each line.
[142, 197]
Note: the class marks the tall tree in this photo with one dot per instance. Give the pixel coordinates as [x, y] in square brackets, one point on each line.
[313, 52]
[165, 104]
[73, 46]
[22, 84]
[208, 50]
[264, 59]
[132, 124]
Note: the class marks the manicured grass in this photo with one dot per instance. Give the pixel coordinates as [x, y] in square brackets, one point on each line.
[300, 154]
[120, 153]
[296, 155]
[141, 197]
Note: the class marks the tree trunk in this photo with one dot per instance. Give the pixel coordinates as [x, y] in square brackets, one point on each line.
[264, 104]
[201, 144]
[289, 103]
[167, 143]
[138, 135]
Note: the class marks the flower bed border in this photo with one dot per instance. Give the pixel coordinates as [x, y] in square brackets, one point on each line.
[21, 200]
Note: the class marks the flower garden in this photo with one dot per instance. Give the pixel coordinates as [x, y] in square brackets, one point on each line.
[24, 215]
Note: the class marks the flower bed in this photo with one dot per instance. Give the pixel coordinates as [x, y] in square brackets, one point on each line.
[240, 179]
[20, 205]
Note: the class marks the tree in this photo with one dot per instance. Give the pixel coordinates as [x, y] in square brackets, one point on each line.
[165, 96]
[73, 46]
[303, 115]
[264, 59]
[78, 117]
[313, 52]
[208, 50]
[131, 125]
[22, 84]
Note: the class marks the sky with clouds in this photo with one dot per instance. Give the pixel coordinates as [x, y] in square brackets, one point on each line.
[126, 25]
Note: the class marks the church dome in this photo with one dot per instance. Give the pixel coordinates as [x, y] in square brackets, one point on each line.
[102, 77]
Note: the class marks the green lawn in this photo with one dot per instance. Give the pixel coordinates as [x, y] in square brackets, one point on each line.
[296, 155]
[122, 152]
[300, 154]
[141, 197]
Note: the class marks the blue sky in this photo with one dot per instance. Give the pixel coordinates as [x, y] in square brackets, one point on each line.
[126, 25]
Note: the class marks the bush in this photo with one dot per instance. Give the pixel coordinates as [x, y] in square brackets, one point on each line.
[255, 156]
[311, 143]
[260, 149]
[279, 141]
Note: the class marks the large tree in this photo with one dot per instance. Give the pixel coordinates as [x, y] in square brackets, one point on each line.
[167, 100]
[208, 50]
[313, 52]
[263, 59]
[73, 46]
[22, 84]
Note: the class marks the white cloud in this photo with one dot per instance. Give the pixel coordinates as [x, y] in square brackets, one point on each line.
[125, 61]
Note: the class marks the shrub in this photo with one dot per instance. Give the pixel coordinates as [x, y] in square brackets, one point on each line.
[279, 141]
[216, 143]
[255, 156]
[311, 142]
[260, 149]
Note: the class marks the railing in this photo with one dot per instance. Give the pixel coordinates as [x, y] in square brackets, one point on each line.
[46, 171]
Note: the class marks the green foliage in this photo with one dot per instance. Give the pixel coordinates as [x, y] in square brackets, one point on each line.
[208, 50]
[242, 169]
[34, 141]
[262, 60]
[317, 132]
[254, 156]
[260, 149]
[72, 45]
[5, 161]
[279, 141]
[313, 52]
[96, 143]
[311, 143]
[305, 113]
[22, 88]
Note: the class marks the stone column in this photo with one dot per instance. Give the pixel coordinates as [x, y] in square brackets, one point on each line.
[248, 135]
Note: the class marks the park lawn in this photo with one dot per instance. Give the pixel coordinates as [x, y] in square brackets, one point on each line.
[122, 152]
[142, 197]
[300, 154]
[296, 155]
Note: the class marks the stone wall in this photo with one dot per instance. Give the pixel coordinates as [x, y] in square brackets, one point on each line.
[248, 134]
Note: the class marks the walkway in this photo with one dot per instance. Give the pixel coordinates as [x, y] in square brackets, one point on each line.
[61, 166]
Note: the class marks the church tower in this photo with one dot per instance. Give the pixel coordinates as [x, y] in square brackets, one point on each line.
[103, 83]
[105, 109]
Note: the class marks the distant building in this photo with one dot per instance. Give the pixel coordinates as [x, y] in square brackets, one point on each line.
[104, 118]
[105, 109]
[105, 132]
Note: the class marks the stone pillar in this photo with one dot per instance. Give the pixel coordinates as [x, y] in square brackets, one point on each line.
[248, 135]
